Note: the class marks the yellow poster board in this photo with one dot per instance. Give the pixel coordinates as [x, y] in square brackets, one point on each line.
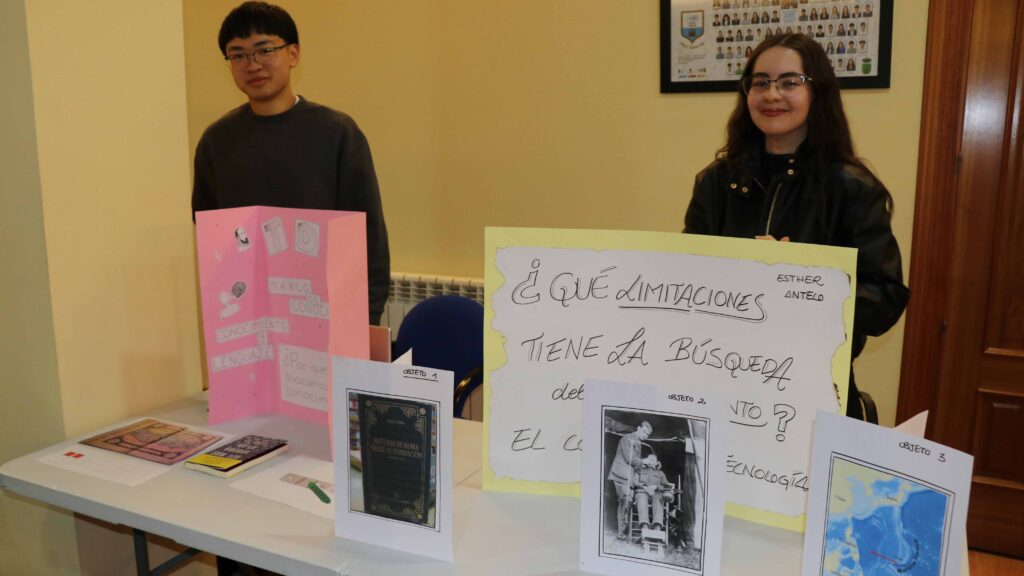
[766, 325]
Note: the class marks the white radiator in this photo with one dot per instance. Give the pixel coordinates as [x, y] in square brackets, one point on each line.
[409, 289]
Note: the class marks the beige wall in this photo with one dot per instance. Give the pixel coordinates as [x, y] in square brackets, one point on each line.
[30, 408]
[101, 321]
[110, 123]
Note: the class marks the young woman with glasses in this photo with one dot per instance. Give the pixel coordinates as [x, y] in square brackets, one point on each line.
[788, 171]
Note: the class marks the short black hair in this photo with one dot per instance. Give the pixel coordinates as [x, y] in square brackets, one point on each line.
[257, 18]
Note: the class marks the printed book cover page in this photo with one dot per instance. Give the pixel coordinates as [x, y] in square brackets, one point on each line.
[393, 456]
[397, 451]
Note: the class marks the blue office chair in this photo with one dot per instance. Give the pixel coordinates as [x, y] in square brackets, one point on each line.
[446, 332]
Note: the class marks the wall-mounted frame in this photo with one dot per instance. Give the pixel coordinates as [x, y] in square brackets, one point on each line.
[705, 43]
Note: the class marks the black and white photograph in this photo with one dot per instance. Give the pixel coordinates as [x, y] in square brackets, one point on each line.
[653, 502]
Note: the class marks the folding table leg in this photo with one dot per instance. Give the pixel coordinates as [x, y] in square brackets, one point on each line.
[142, 557]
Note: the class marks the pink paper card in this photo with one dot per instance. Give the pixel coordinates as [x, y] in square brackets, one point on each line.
[280, 289]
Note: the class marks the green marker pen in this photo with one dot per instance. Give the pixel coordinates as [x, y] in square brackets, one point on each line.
[319, 493]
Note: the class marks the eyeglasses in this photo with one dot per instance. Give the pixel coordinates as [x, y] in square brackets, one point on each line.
[263, 56]
[788, 82]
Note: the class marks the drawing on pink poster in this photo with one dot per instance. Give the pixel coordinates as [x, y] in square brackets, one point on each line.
[276, 304]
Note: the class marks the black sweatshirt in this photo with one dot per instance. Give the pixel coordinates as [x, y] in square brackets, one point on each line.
[307, 157]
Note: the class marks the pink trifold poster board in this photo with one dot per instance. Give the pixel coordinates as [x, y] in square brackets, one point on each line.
[281, 289]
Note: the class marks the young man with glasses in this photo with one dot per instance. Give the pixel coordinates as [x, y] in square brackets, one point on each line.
[280, 149]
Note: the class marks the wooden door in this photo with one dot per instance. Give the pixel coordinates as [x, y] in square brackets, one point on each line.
[964, 343]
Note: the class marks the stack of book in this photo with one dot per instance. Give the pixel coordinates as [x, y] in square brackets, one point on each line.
[238, 455]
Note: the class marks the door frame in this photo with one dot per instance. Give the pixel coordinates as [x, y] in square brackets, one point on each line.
[942, 119]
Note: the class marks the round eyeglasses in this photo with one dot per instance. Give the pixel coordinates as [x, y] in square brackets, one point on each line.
[263, 56]
[785, 83]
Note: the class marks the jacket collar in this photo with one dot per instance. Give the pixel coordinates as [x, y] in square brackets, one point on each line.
[786, 166]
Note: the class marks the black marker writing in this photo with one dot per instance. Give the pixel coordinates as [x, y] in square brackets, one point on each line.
[794, 278]
[708, 353]
[525, 441]
[567, 287]
[747, 413]
[808, 295]
[573, 444]
[684, 297]
[565, 393]
[797, 479]
[785, 413]
[554, 349]
[915, 448]
[629, 351]
[520, 295]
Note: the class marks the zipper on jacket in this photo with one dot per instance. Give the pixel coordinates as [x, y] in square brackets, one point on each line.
[771, 210]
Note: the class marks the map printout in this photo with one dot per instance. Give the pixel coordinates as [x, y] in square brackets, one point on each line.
[883, 503]
[881, 523]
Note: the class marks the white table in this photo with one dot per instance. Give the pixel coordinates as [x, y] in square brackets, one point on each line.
[495, 533]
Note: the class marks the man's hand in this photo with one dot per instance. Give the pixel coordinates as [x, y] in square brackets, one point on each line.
[770, 237]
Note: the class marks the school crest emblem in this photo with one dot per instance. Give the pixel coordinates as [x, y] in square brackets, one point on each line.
[691, 24]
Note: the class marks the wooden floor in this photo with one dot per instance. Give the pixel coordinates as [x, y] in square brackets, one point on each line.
[990, 565]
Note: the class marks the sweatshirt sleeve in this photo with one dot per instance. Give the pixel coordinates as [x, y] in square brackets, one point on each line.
[358, 191]
[202, 181]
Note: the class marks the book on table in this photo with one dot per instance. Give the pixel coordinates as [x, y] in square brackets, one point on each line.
[154, 440]
[238, 455]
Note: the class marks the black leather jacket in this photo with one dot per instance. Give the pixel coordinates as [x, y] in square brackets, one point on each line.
[846, 206]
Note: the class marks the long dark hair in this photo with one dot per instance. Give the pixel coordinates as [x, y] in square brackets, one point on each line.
[828, 132]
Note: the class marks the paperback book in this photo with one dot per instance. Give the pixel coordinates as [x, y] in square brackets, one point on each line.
[238, 455]
[154, 440]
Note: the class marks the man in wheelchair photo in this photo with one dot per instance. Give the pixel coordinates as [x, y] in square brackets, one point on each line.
[652, 489]
[653, 497]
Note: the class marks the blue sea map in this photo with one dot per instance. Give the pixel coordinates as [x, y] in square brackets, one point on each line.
[880, 524]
